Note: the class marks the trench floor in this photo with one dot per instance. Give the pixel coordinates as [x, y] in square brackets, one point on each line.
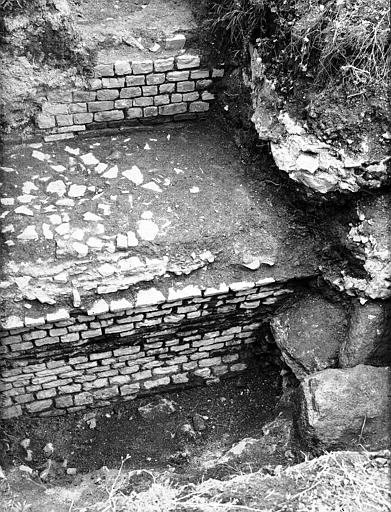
[173, 193]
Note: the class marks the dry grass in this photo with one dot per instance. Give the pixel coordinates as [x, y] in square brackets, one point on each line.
[335, 482]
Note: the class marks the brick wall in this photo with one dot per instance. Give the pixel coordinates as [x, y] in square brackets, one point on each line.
[126, 93]
[118, 350]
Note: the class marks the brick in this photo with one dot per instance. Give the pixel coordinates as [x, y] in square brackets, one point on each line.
[149, 90]
[39, 405]
[150, 112]
[149, 384]
[167, 88]
[104, 70]
[64, 120]
[73, 128]
[94, 84]
[176, 42]
[45, 121]
[129, 389]
[10, 412]
[126, 351]
[58, 332]
[220, 370]
[180, 378]
[218, 73]
[64, 402]
[131, 81]
[33, 335]
[47, 341]
[107, 94]
[60, 96]
[69, 338]
[203, 373]
[119, 380]
[207, 96]
[112, 115]
[187, 61]
[46, 393]
[177, 76]
[156, 79]
[78, 108]
[134, 113]
[125, 103]
[54, 108]
[177, 108]
[99, 106]
[143, 102]
[197, 74]
[113, 83]
[146, 374]
[167, 370]
[23, 399]
[84, 398]
[166, 64]
[97, 383]
[239, 367]
[58, 136]
[142, 67]
[190, 96]
[211, 361]
[106, 393]
[199, 106]
[203, 84]
[162, 99]
[122, 67]
[92, 333]
[130, 92]
[84, 118]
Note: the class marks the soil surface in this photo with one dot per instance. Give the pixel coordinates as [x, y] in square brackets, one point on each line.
[181, 191]
[230, 411]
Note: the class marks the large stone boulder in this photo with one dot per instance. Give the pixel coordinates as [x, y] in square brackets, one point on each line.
[309, 334]
[345, 409]
[369, 337]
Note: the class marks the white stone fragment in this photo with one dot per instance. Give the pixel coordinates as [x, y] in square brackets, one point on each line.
[89, 159]
[149, 297]
[223, 288]
[56, 187]
[62, 277]
[194, 190]
[134, 175]
[28, 186]
[265, 280]
[111, 173]
[95, 243]
[106, 270]
[29, 233]
[23, 210]
[106, 208]
[101, 167]
[72, 151]
[57, 316]
[132, 239]
[62, 229]
[241, 285]
[151, 185]
[185, 293]
[98, 308]
[66, 202]
[207, 256]
[147, 230]
[81, 249]
[58, 168]
[77, 190]
[9, 228]
[147, 215]
[47, 232]
[7, 201]
[25, 198]
[120, 305]
[55, 219]
[12, 322]
[147, 147]
[40, 156]
[89, 216]
[121, 242]
[77, 234]
[34, 322]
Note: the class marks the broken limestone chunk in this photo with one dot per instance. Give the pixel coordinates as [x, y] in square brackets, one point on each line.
[95, 243]
[111, 173]
[40, 156]
[28, 186]
[89, 159]
[12, 322]
[154, 187]
[25, 198]
[147, 215]
[62, 229]
[149, 297]
[81, 249]
[120, 305]
[77, 234]
[122, 242]
[7, 201]
[98, 308]
[132, 239]
[77, 190]
[47, 233]
[134, 175]
[23, 210]
[55, 219]
[91, 217]
[185, 293]
[57, 316]
[106, 270]
[29, 233]
[147, 230]
[56, 187]
[58, 168]
[72, 151]
[194, 190]
[101, 167]
[76, 297]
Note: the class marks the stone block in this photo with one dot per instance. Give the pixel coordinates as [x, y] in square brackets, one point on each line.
[199, 106]
[130, 92]
[185, 86]
[175, 42]
[149, 90]
[84, 118]
[187, 61]
[10, 412]
[161, 99]
[178, 76]
[150, 384]
[217, 73]
[143, 102]
[120, 380]
[134, 113]
[339, 408]
[84, 96]
[77, 108]
[150, 112]
[122, 67]
[176, 108]
[190, 96]
[125, 103]
[100, 106]
[203, 84]
[64, 120]
[54, 108]
[107, 94]
[112, 115]
[46, 393]
[142, 67]
[104, 70]
[113, 83]
[129, 389]
[59, 96]
[69, 338]
[39, 405]
[84, 398]
[94, 84]
[176, 98]
[72, 128]
[167, 88]
[156, 79]
[161, 65]
[45, 121]
[199, 74]
[63, 402]
[106, 393]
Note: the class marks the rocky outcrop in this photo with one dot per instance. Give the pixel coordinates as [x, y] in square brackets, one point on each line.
[318, 163]
[345, 408]
[368, 339]
[309, 334]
